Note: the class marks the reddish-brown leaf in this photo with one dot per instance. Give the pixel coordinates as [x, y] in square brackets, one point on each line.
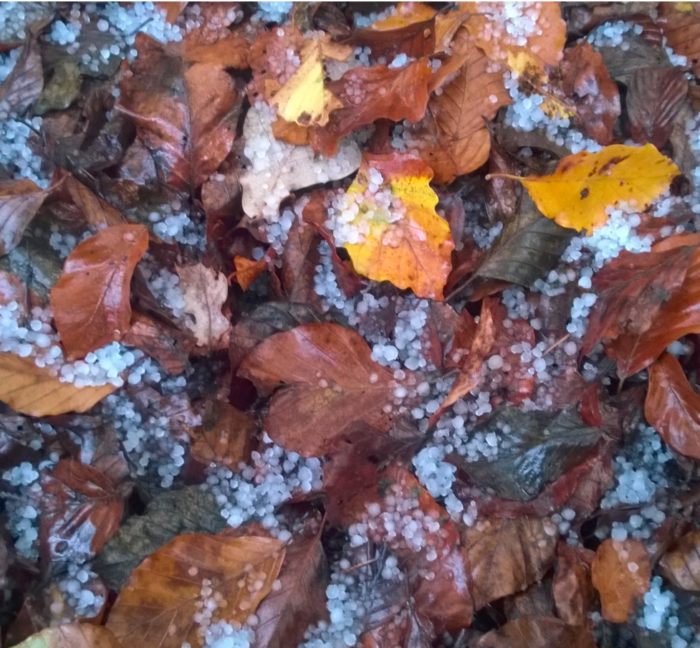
[505, 556]
[158, 604]
[621, 573]
[681, 26]
[655, 96]
[672, 406]
[162, 343]
[329, 380]
[81, 509]
[299, 260]
[25, 83]
[97, 212]
[681, 566]
[414, 39]
[19, 202]
[571, 586]
[90, 301]
[537, 632]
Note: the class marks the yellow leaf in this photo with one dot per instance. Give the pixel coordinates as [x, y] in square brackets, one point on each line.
[304, 98]
[406, 243]
[32, 390]
[583, 185]
[406, 13]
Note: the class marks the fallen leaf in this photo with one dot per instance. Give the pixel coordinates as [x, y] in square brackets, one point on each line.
[572, 588]
[172, 9]
[654, 99]
[158, 603]
[506, 556]
[81, 510]
[229, 50]
[186, 116]
[594, 94]
[672, 406]
[406, 13]
[681, 565]
[90, 301]
[583, 185]
[97, 212]
[330, 382]
[620, 572]
[32, 390]
[265, 185]
[19, 202]
[24, 83]
[462, 141]
[681, 27]
[62, 89]
[415, 39]
[73, 635]
[12, 289]
[413, 250]
[247, 270]
[299, 261]
[205, 292]
[160, 342]
[537, 632]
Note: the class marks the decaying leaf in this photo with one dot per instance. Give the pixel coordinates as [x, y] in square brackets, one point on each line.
[681, 565]
[572, 588]
[19, 202]
[680, 22]
[247, 270]
[406, 243]
[537, 632]
[90, 301]
[24, 83]
[158, 604]
[73, 635]
[225, 436]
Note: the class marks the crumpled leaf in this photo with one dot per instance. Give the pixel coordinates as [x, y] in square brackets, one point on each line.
[462, 142]
[620, 587]
[594, 94]
[90, 301]
[505, 556]
[681, 565]
[583, 185]
[32, 390]
[72, 635]
[412, 251]
[537, 632]
[542, 447]
[186, 116]
[672, 406]
[19, 202]
[24, 84]
[158, 603]
[295, 167]
[654, 99]
[205, 292]
[330, 382]
[572, 588]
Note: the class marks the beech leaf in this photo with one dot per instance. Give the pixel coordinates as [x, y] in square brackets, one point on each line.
[572, 588]
[19, 202]
[681, 565]
[680, 22]
[157, 605]
[90, 301]
[73, 635]
[537, 632]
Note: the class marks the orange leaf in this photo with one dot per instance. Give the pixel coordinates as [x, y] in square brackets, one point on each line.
[90, 301]
[158, 604]
[621, 574]
[247, 270]
[681, 26]
[406, 13]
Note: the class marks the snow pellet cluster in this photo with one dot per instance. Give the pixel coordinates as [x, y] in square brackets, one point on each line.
[171, 227]
[17, 17]
[660, 614]
[22, 507]
[75, 587]
[165, 287]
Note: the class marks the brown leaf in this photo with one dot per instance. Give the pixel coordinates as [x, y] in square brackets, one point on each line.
[34, 391]
[286, 613]
[73, 635]
[97, 212]
[681, 566]
[620, 572]
[19, 202]
[225, 436]
[205, 292]
[163, 344]
[25, 83]
[681, 26]
[462, 142]
[158, 604]
[299, 260]
[506, 556]
[81, 510]
[571, 586]
[229, 51]
[654, 99]
[90, 301]
[330, 382]
[631, 289]
[415, 39]
[537, 632]
[672, 406]
[594, 94]
[186, 116]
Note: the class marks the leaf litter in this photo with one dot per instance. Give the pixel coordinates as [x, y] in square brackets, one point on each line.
[326, 325]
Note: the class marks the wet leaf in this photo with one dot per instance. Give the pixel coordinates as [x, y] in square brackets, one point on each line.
[73, 635]
[654, 99]
[19, 202]
[672, 406]
[407, 13]
[571, 586]
[506, 556]
[90, 301]
[681, 565]
[158, 603]
[162, 343]
[329, 382]
[205, 292]
[412, 251]
[34, 391]
[24, 83]
[621, 574]
[537, 632]
[97, 212]
[583, 185]
[681, 27]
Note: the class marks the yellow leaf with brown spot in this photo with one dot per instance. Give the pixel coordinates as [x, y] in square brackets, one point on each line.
[406, 243]
[577, 194]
